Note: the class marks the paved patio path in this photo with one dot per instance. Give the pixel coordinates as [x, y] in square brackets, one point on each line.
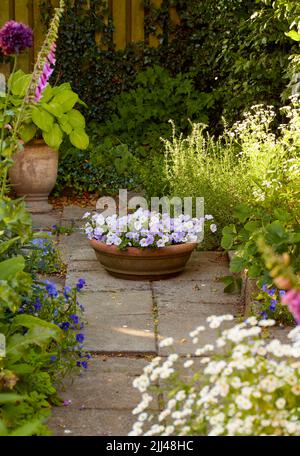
[126, 320]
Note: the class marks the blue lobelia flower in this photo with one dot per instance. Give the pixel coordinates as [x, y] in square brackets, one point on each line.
[273, 304]
[65, 325]
[80, 338]
[282, 293]
[37, 305]
[75, 319]
[80, 284]
[51, 289]
[53, 358]
[67, 292]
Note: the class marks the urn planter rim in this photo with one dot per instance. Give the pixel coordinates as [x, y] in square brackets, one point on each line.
[170, 250]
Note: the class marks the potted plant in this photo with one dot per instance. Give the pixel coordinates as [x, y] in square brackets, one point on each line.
[144, 245]
[35, 117]
[44, 125]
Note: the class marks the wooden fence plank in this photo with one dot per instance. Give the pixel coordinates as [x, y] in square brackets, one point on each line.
[137, 20]
[21, 15]
[119, 19]
[153, 40]
[4, 16]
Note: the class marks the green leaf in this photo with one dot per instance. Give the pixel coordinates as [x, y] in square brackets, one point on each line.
[227, 241]
[275, 233]
[27, 132]
[7, 244]
[9, 268]
[61, 88]
[294, 35]
[251, 226]
[42, 119]
[237, 264]
[29, 321]
[76, 119]
[242, 212]
[54, 137]
[47, 94]
[79, 139]
[10, 397]
[67, 99]
[232, 284]
[254, 271]
[53, 108]
[27, 429]
[20, 83]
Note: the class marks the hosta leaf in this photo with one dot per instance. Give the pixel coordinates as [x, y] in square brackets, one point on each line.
[10, 267]
[79, 139]
[53, 137]
[27, 132]
[42, 119]
[76, 119]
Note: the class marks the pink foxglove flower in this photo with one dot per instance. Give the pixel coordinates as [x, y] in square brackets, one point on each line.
[292, 300]
[46, 74]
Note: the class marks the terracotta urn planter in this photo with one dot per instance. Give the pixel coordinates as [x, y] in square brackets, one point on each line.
[143, 264]
[34, 174]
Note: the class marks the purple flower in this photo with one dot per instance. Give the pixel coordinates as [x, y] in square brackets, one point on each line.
[273, 304]
[67, 291]
[80, 284]
[53, 358]
[37, 305]
[65, 325]
[282, 293]
[264, 315]
[15, 37]
[51, 289]
[80, 338]
[83, 364]
[75, 319]
[46, 74]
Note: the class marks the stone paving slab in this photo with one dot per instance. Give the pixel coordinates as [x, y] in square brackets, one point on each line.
[205, 266]
[120, 334]
[84, 265]
[203, 292]
[100, 280]
[91, 422]
[73, 212]
[70, 244]
[106, 385]
[179, 328]
[45, 221]
[112, 303]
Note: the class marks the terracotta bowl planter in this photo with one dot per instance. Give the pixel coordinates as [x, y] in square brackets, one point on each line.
[34, 174]
[143, 264]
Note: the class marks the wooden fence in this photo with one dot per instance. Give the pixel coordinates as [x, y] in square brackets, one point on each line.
[128, 19]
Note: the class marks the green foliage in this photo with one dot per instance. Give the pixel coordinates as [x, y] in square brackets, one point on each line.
[283, 235]
[39, 325]
[53, 116]
[105, 167]
[236, 50]
[141, 116]
[200, 166]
